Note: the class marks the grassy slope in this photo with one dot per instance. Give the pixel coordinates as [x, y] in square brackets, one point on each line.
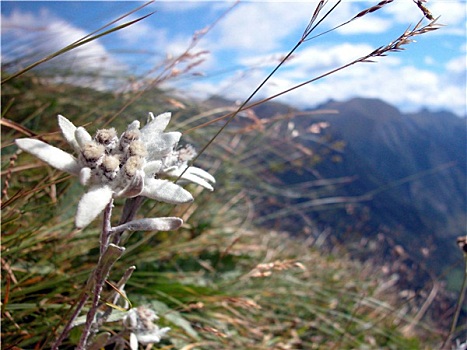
[201, 278]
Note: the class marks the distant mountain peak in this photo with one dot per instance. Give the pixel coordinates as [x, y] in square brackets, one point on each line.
[367, 108]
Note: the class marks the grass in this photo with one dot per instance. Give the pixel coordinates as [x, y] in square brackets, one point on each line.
[220, 282]
[204, 278]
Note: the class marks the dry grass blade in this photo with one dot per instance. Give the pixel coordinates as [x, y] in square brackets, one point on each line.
[359, 15]
[405, 38]
[394, 46]
[18, 127]
[310, 27]
[373, 8]
[462, 243]
[265, 269]
[273, 72]
[422, 8]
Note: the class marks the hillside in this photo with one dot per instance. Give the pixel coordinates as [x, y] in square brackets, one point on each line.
[408, 176]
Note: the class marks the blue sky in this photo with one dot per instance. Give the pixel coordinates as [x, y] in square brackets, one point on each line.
[247, 42]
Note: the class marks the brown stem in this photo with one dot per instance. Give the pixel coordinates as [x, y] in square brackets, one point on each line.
[69, 325]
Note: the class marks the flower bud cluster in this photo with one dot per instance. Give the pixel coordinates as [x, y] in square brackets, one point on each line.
[140, 321]
[113, 160]
[179, 157]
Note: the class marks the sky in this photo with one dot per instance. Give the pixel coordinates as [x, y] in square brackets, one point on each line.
[234, 46]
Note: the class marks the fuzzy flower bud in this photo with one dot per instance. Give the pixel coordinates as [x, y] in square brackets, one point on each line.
[108, 138]
[110, 167]
[132, 165]
[137, 148]
[128, 137]
[92, 154]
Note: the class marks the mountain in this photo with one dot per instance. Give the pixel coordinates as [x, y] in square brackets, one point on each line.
[409, 170]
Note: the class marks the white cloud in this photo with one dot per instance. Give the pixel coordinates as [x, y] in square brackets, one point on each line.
[138, 31]
[188, 5]
[366, 25]
[407, 87]
[323, 57]
[452, 14]
[261, 26]
[404, 11]
[27, 37]
[246, 44]
[456, 65]
[456, 72]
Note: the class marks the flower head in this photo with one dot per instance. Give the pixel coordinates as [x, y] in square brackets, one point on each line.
[143, 330]
[134, 164]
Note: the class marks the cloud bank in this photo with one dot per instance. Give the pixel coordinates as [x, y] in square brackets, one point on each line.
[248, 41]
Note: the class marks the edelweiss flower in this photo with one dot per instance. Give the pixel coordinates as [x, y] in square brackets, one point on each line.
[143, 330]
[134, 164]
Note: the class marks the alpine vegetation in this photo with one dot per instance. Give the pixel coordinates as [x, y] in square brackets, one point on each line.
[141, 162]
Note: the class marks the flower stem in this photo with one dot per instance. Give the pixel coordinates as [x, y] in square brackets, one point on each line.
[104, 242]
[109, 254]
[129, 211]
[106, 228]
[69, 325]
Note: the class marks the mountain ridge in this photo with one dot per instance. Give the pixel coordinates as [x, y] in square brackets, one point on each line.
[413, 166]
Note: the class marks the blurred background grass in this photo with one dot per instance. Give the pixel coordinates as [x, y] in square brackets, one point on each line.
[200, 278]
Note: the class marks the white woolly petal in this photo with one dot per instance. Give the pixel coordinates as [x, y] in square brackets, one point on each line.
[135, 187]
[194, 175]
[84, 176]
[188, 176]
[150, 117]
[152, 224]
[197, 180]
[68, 131]
[133, 125]
[92, 204]
[156, 125]
[201, 173]
[161, 144]
[151, 337]
[51, 155]
[130, 320]
[133, 342]
[165, 191]
[82, 136]
[153, 167]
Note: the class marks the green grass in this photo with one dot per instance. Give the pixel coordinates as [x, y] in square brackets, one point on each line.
[198, 278]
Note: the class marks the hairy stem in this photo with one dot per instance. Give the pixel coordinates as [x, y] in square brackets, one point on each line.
[109, 254]
[129, 211]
